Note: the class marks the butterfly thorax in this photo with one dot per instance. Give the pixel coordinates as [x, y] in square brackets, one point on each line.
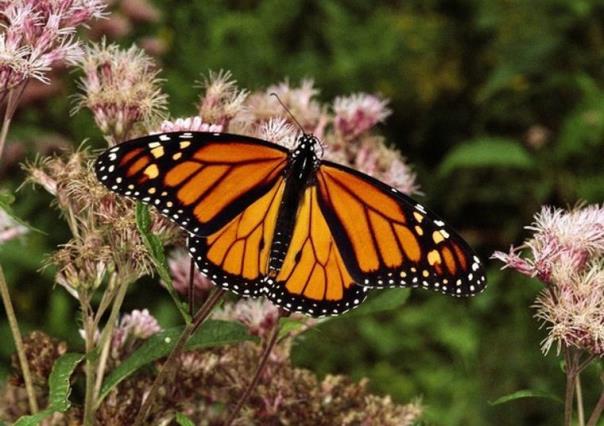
[303, 163]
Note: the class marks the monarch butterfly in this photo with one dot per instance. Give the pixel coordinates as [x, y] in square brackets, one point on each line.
[311, 235]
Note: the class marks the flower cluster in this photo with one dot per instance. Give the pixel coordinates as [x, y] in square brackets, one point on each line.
[179, 263]
[36, 34]
[105, 236]
[344, 128]
[121, 89]
[132, 328]
[566, 253]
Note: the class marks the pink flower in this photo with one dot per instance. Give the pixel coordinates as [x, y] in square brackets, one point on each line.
[300, 101]
[192, 124]
[137, 325]
[576, 235]
[121, 89]
[179, 263]
[371, 156]
[258, 315]
[278, 130]
[222, 100]
[566, 253]
[358, 113]
[37, 34]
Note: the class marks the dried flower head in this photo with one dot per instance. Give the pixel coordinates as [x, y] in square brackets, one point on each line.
[566, 253]
[121, 89]
[358, 113]
[221, 100]
[105, 235]
[284, 395]
[37, 34]
[41, 351]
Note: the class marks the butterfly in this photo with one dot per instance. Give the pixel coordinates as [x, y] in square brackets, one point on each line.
[311, 235]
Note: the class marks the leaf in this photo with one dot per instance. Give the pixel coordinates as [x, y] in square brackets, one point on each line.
[183, 420]
[59, 389]
[525, 393]
[487, 152]
[213, 333]
[156, 250]
[6, 199]
[382, 300]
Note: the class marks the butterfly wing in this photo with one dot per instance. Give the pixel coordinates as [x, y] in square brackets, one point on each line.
[199, 180]
[389, 240]
[236, 256]
[313, 278]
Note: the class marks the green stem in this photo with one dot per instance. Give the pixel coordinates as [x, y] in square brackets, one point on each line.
[571, 375]
[14, 328]
[248, 391]
[90, 367]
[170, 365]
[105, 340]
[580, 412]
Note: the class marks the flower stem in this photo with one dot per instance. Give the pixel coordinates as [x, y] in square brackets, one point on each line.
[105, 340]
[4, 132]
[580, 413]
[595, 415]
[571, 375]
[90, 367]
[170, 365]
[248, 391]
[14, 328]
[14, 95]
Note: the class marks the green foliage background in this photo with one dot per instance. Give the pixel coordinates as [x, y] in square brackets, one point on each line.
[470, 83]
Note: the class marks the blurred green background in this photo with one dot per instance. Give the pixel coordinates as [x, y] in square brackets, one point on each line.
[499, 106]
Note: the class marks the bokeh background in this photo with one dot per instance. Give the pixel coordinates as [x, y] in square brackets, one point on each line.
[498, 105]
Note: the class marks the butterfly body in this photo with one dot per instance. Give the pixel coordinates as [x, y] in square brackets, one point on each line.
[311, 235]
[299, 174]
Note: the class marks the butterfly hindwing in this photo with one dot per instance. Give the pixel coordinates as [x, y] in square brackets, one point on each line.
[389, 240]
[199, 180]
[236, 256]
[313, 278]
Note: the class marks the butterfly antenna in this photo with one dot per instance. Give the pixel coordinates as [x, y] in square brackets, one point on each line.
[288, 111]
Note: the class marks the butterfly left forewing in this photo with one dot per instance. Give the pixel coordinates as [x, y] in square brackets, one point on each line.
[199, 180]
[389, 240]
[313, 278]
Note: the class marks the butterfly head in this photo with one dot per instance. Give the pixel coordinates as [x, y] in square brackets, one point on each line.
[309, 147]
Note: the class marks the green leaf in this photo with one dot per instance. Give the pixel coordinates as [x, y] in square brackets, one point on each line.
[212, 333]
[288, 325]
[487, 152]
[59, 389]
[382, 300]
[156, 249]
[525, 393]
[183, 420]
[6, 199]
